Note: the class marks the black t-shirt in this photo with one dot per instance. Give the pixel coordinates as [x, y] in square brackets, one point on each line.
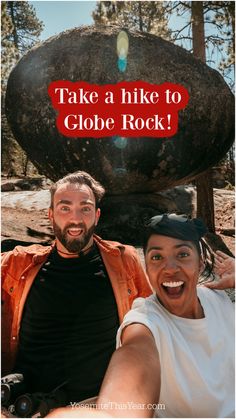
[69, 326]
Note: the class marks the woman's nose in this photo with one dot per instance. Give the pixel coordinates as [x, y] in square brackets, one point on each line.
[171, 265]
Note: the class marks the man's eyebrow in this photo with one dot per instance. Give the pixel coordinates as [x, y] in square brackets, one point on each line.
[177, 246]
[87, 202]
[64, 201]
[67, 202]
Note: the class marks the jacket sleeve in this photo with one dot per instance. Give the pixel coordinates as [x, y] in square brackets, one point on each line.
[7, 313]
[140, 277]
[5, 262]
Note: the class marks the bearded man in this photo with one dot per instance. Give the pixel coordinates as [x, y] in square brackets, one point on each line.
[63, 304]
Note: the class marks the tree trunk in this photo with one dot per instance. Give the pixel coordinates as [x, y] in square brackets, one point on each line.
[205, 199]
[15, 36]
[140, 16]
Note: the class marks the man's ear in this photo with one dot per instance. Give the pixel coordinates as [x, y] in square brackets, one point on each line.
[97, 216]
[50, 214]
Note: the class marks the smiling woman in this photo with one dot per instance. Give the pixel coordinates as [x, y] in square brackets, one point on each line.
[175, 355]
[173, 268]
[192, 327]
[174, 263]
[186, 330]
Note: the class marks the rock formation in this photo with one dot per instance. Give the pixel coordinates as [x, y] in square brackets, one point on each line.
[133, 165]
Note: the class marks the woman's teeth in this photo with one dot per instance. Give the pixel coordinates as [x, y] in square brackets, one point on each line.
[173, 284]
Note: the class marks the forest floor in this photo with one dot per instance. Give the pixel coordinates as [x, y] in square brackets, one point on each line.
[25, 216]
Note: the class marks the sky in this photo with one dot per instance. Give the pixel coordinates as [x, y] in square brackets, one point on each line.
[58, 16]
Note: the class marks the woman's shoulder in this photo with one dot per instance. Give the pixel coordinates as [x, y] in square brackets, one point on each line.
[216, 302]
[145, 304]
[213, 295]
[147, 308]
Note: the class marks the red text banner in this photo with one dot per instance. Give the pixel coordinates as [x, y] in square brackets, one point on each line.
[126, 109]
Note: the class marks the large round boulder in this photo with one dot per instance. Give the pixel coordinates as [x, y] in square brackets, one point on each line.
[131, 165]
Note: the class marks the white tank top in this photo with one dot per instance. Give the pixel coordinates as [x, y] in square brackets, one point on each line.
[196, 356]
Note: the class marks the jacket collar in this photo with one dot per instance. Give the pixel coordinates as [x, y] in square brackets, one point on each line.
[108, 246]
[40, 253]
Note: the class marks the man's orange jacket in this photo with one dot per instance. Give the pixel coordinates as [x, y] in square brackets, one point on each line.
[21, 265]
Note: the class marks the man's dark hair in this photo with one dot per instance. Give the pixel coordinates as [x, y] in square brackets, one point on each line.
[79, 178]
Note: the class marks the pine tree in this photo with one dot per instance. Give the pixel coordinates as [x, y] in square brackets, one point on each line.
[20, 31]
[216, 21]
[205, 200]
[144, 16]
[224, 20]
[26, 26]
[9, 51]
[219, 23]
[155, 16]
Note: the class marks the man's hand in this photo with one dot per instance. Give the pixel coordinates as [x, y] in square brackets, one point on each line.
[6, 414]
[68, 412]
[224, 267]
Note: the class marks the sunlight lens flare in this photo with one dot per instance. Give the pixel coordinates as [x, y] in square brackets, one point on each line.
[122, 50]
[120, 142]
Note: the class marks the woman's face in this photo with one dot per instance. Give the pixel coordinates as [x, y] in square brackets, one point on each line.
[173, 267]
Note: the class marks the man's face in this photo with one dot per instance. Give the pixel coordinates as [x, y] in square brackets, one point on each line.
[173, 268]
[74, 217]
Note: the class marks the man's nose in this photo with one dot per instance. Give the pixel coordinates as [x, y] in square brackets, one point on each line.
[76, 215]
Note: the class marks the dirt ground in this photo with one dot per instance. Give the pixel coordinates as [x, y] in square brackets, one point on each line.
[224, 202]
[24, 216]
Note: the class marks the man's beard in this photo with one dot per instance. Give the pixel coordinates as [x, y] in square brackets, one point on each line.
[75, 245]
